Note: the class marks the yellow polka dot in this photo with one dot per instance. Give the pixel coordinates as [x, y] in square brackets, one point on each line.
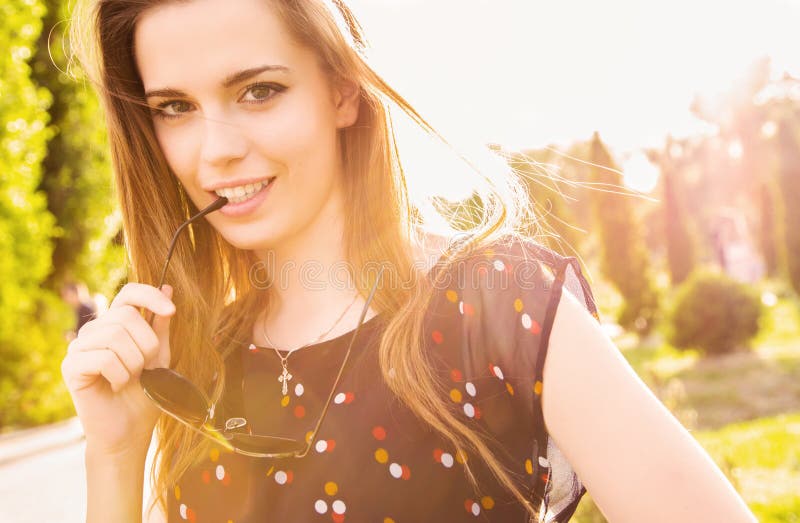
[388, 520]
[537, 388]
[284, 401]
[461, 456]
[518, 305]
[381, 456]
[510, 388]
[230, 521]
[331, 488]
[489, 252]
[487, 502]
[452, 295]
[528, 466]
[308, 435]
[177, 492]
[270, 471]
[455, 395]
[214, 455]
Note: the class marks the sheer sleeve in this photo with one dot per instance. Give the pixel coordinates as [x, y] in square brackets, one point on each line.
[507, 296]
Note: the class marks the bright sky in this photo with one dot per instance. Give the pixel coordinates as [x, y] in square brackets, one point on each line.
[527, 73]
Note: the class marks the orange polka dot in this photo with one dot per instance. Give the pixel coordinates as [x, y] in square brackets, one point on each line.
[289, 476]
[349, 397]
[437, 455]
[331, 445]
[190, 515]
[535, 327]
[331, 488]
[406, 472]
[299, 411]
[451, 295]
[477, 413]
[337, 518]
[518, 305]
[437, 336]
[456, 375]
[537, 387]
[487, 502]
[468, 505]
[528, 466]
[455, 395]
[510, 388]
[469, 310]
[379, 433]
[381, 456]
[206, 477]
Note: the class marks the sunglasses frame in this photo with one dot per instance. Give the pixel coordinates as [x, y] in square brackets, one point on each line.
[227, 436]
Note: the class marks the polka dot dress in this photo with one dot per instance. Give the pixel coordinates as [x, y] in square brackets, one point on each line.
[485, 334]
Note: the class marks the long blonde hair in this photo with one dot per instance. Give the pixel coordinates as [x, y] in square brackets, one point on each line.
[209, 323]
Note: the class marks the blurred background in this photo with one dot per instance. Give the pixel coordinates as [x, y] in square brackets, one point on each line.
[659, 141]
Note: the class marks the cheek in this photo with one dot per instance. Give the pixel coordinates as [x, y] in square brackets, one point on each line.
[179, 147]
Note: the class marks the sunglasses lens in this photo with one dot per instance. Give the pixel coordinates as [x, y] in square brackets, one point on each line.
[174, 394]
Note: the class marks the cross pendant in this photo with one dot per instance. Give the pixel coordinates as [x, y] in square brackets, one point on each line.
[284, 378]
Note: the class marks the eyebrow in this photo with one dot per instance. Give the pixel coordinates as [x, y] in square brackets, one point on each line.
[230, 80]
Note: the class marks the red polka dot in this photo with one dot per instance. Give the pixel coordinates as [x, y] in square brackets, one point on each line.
[190, 515]
[477, 413]
[289, 476]
[406, 472]
[379, 433]
[206, 477]
[456, 375]
[226, 480]
[437, 455]
[508, 266]
[437, 336]
[468, 505]
[469, 310]
[299, 411]
[535, 327]
[337, 518]
[544, 477]
[331, 445]
[349, 397]
[482, 270]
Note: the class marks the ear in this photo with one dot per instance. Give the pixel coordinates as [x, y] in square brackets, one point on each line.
[347, 97]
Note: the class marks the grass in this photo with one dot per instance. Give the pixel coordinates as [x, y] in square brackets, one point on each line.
[743, 408]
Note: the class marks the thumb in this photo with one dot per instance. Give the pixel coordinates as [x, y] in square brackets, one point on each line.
[161, 328]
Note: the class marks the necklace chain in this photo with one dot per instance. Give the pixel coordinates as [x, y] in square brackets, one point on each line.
[285, 375]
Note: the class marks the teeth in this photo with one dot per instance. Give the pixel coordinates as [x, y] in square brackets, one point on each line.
[242, 192]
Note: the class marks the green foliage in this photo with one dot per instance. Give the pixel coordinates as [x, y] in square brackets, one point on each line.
[714, 313]
[680, 247]
[31, 322]
[624, 256]
[789, 183]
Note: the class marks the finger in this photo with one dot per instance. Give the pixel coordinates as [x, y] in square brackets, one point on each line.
[82, 370]
[139, 330]
[146, 296]
[115, 338]
[161, 330]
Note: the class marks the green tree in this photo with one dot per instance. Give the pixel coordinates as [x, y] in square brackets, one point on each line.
[32, 321]
[789, 183]
[624, 257]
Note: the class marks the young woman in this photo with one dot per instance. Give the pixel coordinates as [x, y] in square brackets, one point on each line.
[345, 362]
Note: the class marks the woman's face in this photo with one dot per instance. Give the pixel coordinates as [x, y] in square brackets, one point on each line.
[238, 104]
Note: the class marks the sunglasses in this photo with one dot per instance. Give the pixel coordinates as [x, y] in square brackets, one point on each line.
[182, 400]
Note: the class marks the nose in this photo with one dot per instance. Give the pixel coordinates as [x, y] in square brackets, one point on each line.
[223, 142]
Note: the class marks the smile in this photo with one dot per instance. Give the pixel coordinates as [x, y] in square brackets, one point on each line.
[243, 192]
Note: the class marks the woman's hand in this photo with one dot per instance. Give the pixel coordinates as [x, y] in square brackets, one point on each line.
[103, 364]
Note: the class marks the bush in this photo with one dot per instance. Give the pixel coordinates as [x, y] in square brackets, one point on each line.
[714, 313]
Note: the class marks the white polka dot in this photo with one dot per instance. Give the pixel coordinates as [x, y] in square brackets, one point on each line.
[497, 372]
[526, 321]
[281, 477]
[321, 446]
[320, 506]
[469, 410]
[476, 509]
[338, 506]
[182, 510]
[543, 462]
[220, 472]
[299, 390]
[339, 399]
[395, 470]
[470, 389]
[252, 346]
[500, 266]
[461, 307]
[447, 460]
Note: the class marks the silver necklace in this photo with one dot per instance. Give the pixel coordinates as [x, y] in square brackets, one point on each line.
[285, 374]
